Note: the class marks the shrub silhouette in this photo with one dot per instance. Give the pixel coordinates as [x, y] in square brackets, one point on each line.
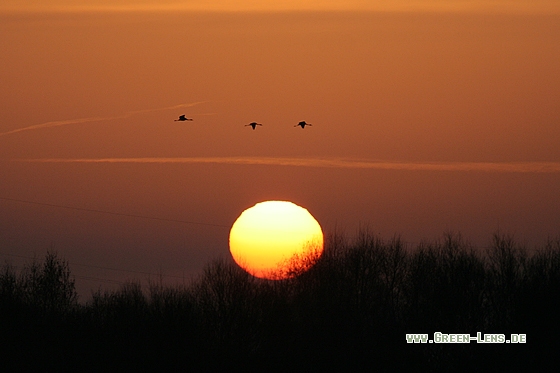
[349, 311]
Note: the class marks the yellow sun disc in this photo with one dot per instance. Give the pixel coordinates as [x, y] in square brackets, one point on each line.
[275, 240]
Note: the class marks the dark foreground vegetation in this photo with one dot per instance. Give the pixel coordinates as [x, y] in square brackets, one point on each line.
[350, 312]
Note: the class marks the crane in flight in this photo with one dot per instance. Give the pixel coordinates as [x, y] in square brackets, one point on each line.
[182, 118]
[302, 124]
[253, 124]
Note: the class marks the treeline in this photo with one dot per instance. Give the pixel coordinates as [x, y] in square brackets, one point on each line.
[350, 312]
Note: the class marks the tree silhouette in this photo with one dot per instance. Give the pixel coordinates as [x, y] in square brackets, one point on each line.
[349, 311]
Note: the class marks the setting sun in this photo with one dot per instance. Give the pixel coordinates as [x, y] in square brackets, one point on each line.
[270, 238]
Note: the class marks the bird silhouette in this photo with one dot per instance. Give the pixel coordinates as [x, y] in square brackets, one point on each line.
[302, 124]
[253, 124]
[182, 118]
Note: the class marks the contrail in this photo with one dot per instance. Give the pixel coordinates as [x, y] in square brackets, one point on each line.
[180, 106]
[500, 167]
[58, 123]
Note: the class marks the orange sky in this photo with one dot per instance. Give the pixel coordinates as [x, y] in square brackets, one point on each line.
[422, 122]
[517, 6]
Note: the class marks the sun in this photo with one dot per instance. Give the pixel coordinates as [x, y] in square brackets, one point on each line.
[275, 240]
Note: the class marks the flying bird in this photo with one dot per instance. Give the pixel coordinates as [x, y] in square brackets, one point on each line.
[253, 124]
[302, 124]
[182, 118]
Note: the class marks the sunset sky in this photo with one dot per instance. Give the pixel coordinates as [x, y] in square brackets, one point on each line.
[520, 6]
[428, 116]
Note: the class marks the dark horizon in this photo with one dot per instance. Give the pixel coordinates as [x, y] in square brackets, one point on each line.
[352, 310]
[90, 278]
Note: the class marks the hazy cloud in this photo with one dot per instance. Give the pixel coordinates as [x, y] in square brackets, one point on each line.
[502, 167]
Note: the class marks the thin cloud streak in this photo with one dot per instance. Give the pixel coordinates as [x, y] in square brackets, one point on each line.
[180, 106]
[59, 123]
[494, 167]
